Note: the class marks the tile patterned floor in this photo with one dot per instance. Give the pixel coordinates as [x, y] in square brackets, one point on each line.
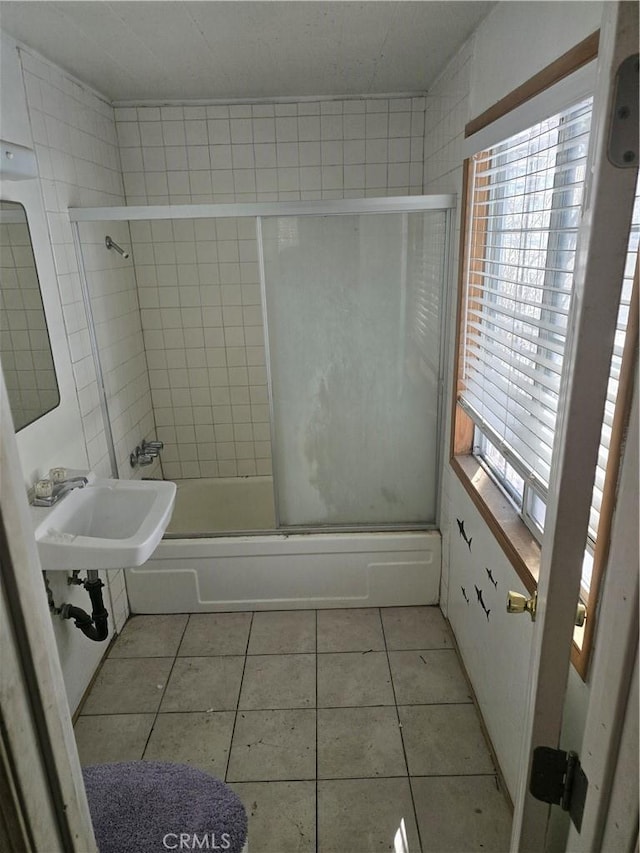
[331, 725]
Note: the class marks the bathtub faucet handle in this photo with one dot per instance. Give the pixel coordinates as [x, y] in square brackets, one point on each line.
[145, 453]
[152, 448]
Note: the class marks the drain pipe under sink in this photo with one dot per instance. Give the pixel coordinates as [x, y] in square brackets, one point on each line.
[96, 626]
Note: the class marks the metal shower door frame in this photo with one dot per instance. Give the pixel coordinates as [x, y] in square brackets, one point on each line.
[444, 202]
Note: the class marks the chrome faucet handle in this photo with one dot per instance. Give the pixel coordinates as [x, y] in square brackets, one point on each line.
[48, 493]
[142, 456]
[43, 489]
[152, 447]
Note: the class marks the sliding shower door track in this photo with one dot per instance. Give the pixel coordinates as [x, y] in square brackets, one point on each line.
[309, 531]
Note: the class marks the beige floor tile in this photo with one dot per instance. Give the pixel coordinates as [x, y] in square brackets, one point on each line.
[282, 815]
[352, 678]
[279, 681]
[359, 742]
[204, 684]
[415, 628]
[133, 686]
[444, 740]
[426, 677]
[150, 636]
[457, 813]
[353, 630]
[199, 739]
[114, 737]
[273, 745]
[365, 815]
[283, 632]
[216, 634]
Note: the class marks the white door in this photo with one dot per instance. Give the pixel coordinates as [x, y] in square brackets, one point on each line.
[609, 753]
[44, 805]
[598, 276]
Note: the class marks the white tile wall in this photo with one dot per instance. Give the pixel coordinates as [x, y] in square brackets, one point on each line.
[79, 164]
[198, 282]
[116, 314]
[199, 291]
[76, 146]
[267, 152]
[447, 107]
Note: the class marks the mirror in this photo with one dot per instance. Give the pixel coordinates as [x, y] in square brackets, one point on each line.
[25, 348]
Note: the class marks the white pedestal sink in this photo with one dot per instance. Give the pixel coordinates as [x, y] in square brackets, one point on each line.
[107, 524]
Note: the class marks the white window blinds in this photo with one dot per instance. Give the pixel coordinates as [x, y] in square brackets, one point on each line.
[525, 197]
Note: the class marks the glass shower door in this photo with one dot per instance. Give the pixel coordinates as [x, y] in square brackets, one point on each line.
[353, 322]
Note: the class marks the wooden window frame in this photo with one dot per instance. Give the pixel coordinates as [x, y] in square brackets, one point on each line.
[510, 531]
[581, 54]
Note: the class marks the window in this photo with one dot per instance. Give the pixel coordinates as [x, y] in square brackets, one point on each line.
[523, 202]
[525, 205]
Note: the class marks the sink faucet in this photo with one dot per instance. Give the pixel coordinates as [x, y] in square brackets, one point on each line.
[48, 493]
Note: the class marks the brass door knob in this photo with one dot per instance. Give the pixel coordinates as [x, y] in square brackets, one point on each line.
[581, 615]
[518, 603]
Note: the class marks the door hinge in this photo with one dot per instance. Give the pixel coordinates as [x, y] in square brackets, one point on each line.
[558, 778]
[622, 149]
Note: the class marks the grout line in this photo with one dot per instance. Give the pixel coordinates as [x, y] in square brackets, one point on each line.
[283, 654]
[287, 708]
[235, 718]
[404, 748]
[281, 99]
[166, 684]
[367, 778]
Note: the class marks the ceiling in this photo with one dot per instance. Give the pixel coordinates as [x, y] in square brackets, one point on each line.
[181, 50]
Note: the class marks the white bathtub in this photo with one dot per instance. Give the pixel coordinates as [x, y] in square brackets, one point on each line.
[224, 504]
[278, 572]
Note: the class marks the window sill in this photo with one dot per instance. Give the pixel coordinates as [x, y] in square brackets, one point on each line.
[511, 533]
